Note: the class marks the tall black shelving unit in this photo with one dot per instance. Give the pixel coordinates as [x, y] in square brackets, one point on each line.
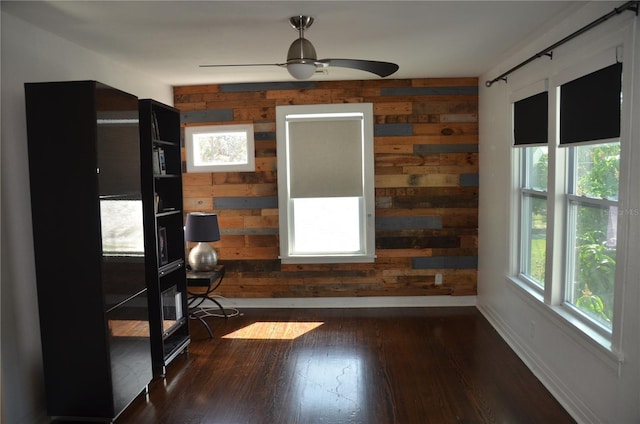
[164, 238]
[86, 205]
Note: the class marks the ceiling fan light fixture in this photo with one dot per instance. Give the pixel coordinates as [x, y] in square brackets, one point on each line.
[301, 71]
[302, 61]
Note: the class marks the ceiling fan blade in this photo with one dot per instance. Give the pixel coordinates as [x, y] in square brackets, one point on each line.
[247, 64]
[383, 69]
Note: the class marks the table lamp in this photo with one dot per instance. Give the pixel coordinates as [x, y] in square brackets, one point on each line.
[202, 227]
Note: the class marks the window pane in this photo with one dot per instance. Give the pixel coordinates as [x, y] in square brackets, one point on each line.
[220, 148]
[536, 165]
[592, 251]
[597, 170]
[326, 225]
[534, 234]
[533, 219]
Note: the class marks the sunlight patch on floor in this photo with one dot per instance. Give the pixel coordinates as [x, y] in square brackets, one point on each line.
[273, 330]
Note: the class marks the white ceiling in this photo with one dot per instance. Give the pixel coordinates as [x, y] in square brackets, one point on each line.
[170, 39]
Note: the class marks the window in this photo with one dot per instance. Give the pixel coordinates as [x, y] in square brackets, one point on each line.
[530, 135]
[325, 183]
[569, 189]
[590, 111]
[220, 148]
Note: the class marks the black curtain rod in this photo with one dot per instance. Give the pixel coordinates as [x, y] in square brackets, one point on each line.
[630, 5]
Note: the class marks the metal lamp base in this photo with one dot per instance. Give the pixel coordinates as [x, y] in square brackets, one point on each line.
[203, 258]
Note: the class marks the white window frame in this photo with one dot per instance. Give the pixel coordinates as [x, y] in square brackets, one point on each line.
[328, 112]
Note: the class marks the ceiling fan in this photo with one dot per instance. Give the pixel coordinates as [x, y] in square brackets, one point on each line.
[302, 61]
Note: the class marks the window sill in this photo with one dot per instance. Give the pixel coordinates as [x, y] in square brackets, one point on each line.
[578, 331]
[338, 259]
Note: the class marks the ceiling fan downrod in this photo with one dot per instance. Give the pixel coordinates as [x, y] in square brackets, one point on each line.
[301, 50]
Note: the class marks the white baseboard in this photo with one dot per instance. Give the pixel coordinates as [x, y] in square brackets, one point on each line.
[348, 302]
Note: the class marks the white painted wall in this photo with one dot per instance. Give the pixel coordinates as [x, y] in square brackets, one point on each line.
[32, 55]
[593, 384]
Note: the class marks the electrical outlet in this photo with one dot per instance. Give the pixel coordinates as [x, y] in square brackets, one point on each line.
[438, 279]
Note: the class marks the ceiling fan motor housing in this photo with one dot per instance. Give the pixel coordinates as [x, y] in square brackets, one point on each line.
[301, 51]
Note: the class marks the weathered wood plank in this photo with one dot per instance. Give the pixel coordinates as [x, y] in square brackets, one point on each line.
[195, 89]
[425, 180]
[230, 190]
[197, 204]
[393, 108]
[197, 191]
[404, 253]
[444, 82]
[225, 253]
[394, 148]
[270, 221]
[299, 96]
[254, 113]
[197, 179]
[446, 129]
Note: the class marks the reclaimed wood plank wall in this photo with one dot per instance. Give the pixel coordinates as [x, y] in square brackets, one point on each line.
[426, 179]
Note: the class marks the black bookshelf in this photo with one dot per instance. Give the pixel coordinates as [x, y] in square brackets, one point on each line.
[86, 205]
[161, 164]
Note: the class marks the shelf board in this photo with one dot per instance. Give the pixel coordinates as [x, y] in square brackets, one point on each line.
[159, 142]
[168, 212]
[170, 267]
[174, 345]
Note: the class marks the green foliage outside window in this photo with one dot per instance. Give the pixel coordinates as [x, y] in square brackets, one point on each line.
[598, 170]
[538, 180]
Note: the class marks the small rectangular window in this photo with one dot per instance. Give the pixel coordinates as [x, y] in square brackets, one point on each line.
[220, 148]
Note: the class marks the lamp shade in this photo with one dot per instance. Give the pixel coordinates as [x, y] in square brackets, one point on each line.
[202, 226]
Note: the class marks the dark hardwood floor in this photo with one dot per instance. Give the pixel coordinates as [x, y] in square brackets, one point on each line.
[372, 366]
